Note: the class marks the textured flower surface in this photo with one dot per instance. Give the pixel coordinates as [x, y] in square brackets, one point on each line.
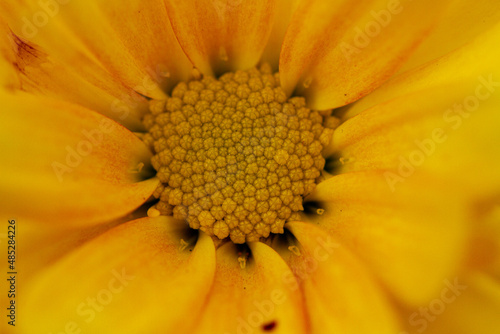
[277, 166]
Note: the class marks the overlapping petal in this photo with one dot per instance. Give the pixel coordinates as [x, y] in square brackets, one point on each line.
[222, 35]
[284, 10]
[39, 73]
[131, 40]
[411, 238]
[256, 298]
[134, 278]
[8, 77]
[462, 67]
[341, 296]
[451, 136]
[336, 52]
[67, 164]
[43, 247]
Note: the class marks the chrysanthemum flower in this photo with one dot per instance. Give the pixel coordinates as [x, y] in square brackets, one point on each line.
[251, 166]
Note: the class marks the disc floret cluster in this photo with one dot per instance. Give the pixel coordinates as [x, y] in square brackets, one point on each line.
[235, 157]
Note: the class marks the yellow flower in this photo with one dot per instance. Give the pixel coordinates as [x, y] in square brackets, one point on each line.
[400, 235]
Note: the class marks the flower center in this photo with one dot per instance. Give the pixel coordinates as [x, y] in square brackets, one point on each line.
[235, 157]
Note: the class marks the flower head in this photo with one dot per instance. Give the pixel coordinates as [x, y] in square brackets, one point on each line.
[251, 166]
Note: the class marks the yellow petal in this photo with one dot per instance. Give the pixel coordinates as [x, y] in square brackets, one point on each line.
[449, 133]
[477, 16]
[223, 35]
[41, 74]
[411, 238]
[253, 298]
[340, 294]
[49, 244]
[132, 279]
[132, 40]
[8, 77]
[460, 67]
[336, 52]
[285, 9]
[466, 304]
[63, 164]
[484, 248]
